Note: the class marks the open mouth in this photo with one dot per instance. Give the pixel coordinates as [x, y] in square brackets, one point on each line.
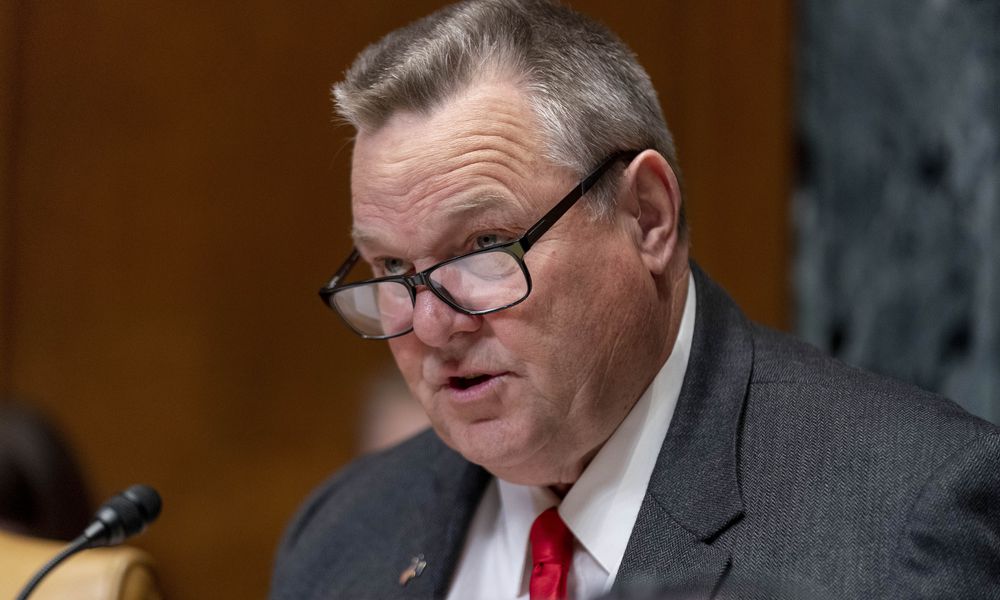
[464, 383]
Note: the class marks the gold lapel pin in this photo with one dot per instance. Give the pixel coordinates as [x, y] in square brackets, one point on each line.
[417, 566]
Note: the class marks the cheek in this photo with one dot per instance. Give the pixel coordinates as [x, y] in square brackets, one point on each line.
[589, 301]
[581, 288]
[558, 332]
[408, 359]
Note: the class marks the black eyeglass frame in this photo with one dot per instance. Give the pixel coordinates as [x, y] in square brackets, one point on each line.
[516, 249]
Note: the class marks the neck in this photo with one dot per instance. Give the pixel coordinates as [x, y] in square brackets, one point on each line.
[561, 489]
[676, 286]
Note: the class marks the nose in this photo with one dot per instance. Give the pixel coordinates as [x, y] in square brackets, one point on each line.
[435, 323]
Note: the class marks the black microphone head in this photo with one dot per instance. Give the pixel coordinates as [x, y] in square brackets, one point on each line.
[123, 516]
[146, 499]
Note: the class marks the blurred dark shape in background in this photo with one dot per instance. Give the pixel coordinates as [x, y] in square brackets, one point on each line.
[897, 209]
[42, 491]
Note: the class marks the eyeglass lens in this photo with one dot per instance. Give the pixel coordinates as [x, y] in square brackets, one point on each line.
[476, 283]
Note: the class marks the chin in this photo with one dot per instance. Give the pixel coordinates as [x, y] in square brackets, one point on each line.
[506, 451]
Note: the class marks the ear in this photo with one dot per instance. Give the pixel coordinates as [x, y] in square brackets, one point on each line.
[654, 205]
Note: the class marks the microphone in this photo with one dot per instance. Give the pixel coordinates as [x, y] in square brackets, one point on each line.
[118, 519]
[123, 516]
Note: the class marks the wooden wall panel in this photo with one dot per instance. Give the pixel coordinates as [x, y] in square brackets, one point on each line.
[181, 193]
[9, 53]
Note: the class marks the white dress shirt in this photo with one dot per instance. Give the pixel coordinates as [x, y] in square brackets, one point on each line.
[600, 509]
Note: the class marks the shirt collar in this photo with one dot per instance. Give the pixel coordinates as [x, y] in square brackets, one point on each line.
[602, 506]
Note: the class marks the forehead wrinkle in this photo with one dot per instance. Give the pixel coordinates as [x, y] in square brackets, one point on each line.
[440, 157]
[485, 166]
[479, 120]
[423, 176]
[478, 141]
[520, 157]
[476, 168]
[448, 133]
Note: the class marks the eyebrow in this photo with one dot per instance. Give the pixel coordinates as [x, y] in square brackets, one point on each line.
[474, 204]
[454, 211]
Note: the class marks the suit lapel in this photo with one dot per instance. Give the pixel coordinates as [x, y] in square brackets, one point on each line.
[694, 493]
[430, 546]
[665, 556]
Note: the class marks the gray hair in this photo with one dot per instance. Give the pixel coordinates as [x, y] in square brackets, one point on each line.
[589, 92]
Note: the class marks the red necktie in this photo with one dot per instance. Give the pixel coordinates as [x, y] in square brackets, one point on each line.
[551, 556]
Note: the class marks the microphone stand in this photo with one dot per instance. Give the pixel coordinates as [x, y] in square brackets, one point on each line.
[75, 546]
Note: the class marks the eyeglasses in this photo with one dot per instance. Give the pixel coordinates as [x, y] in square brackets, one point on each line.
[477, 283]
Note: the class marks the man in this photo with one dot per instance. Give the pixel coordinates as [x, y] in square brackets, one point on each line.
[604, 418]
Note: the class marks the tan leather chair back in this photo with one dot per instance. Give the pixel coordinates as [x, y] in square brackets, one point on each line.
[120, 573]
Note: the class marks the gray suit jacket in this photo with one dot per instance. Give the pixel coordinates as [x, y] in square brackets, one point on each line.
[782, 468]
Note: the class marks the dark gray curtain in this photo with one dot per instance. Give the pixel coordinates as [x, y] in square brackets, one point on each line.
[897, 208]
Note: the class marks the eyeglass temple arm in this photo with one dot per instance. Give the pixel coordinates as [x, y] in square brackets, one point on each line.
[557, 211]
[344, 269]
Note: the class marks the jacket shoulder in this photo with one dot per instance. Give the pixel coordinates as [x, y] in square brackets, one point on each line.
[373, 476]
[882, 472]
[791, 370]
[364, 505]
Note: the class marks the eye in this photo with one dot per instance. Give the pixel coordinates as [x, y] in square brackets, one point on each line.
[393, 266]
[487, 240]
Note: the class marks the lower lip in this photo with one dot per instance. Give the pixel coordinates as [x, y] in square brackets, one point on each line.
[481, 391]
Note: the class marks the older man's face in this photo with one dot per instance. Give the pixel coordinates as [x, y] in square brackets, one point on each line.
[530, 392]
